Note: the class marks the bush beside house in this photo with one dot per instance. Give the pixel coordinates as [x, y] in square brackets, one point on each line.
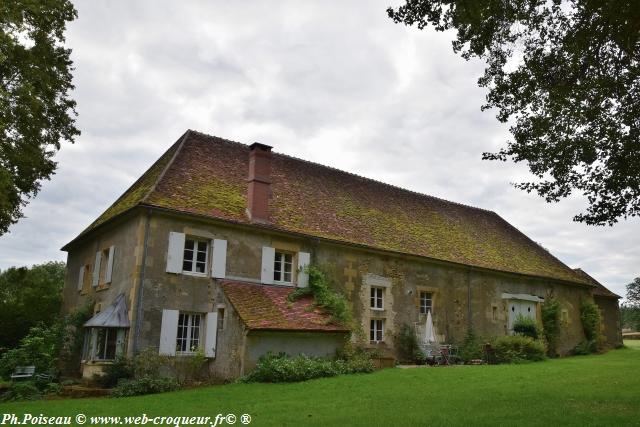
[277, 368]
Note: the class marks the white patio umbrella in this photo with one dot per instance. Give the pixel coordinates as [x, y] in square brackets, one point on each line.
[429, 330]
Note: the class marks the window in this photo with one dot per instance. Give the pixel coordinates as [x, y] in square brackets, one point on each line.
[104, 265]
[377, 299]
[188, 338]
[282, 267]
[221, 318]
[376, 332]
[426, 302]
[104, 343]
[83, 276]
[195, 256]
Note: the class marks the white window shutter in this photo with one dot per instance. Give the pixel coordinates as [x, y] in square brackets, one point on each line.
[175, 252]
[169, 332]
[81, 278]
[210, 338]
[219, 263]
[96, 270]
[304, 258]
[268, 258]
[107, 278]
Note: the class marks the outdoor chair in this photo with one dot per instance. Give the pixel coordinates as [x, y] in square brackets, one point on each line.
[23, 372]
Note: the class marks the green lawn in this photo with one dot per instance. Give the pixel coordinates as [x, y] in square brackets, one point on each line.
[585, 390]
[634, 344]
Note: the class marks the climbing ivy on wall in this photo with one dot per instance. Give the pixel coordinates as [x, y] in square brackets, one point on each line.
[590, 317]
[325, 297]
[551, 323]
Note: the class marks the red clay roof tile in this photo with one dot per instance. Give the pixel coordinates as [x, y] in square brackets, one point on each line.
[207, 176]
[268, 307]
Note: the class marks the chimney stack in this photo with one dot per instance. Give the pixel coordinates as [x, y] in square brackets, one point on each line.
[259, 182]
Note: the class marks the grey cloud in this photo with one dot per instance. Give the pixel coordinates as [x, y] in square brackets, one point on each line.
[336, 83]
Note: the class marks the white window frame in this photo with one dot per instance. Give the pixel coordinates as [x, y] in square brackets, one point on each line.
[91, 350]
[194, 262]
[190, 350]
[430, 299]
[376, 298]
[376, 330]
[282, 265]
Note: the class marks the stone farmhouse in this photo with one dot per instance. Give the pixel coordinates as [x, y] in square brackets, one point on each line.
[202, 251]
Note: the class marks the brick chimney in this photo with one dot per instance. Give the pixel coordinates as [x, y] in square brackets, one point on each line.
[259, 182]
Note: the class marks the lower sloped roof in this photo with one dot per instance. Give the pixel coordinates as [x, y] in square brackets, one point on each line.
[267, 307]
[114, 316]
[598, 288]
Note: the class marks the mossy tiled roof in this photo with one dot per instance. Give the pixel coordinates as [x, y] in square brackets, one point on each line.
[268, 307]
[207, 176]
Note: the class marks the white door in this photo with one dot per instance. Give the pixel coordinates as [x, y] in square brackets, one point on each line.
[521, 308]
[514, 311]
[528, 309]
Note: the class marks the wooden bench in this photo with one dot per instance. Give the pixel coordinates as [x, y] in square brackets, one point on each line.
[23, 372]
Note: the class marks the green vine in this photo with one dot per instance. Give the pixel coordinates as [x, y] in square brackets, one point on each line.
[325, 297]
[551, 323]
[590, 317]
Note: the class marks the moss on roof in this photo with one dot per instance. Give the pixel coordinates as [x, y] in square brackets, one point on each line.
[598, 288]
[208, 177]
[268, 307]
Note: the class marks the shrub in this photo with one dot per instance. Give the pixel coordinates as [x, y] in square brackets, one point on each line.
[419, 357]
[144, 385]
[525, 326]
[49, 348]
[584, 348]
[72, 340]
[518, 348]
[471, 347]
[278, 368]
[148, 363]
[121, 368]
[550, 311]
[406, 343]
[39, 348]
[590, 318]
[189, 368]
[22, 390]
[325, 297]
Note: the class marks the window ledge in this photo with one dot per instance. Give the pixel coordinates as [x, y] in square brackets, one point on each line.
[98, 362]
[377, 309]
[291, 284]
[191, 273]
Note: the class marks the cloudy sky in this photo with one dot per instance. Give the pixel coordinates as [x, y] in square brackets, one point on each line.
[332, 82]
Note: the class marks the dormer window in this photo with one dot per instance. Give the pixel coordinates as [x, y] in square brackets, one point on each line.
[283, 267]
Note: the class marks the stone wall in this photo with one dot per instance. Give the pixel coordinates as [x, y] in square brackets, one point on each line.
[463, 297]
[317, 344]
[127, 237]
[610, 321]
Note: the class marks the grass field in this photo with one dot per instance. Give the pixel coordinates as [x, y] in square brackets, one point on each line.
[580, 391]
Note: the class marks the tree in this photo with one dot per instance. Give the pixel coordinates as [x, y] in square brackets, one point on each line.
[633, 293]
[36, 112]
[566, 75]
[28, 297]
[630, 317]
